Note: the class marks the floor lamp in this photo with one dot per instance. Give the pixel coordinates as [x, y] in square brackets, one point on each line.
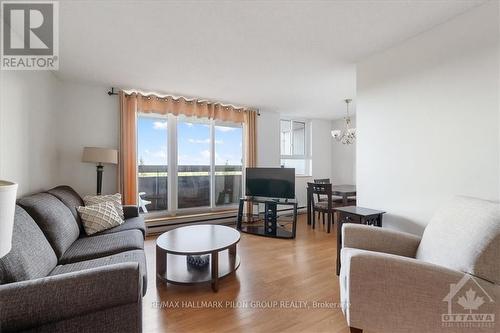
[100, 156]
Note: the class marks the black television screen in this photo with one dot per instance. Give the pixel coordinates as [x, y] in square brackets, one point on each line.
[270, 182]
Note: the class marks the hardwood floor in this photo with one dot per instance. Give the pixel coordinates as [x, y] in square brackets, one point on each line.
[274, 277]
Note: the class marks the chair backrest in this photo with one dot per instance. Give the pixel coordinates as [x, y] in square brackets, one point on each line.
[320, 189]
[322, 181]
[464, 235]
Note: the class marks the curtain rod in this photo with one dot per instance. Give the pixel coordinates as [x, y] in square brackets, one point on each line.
[112, 92]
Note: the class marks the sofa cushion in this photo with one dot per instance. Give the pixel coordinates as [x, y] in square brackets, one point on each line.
[99, 246]
[464, 235]
[99, 217]
[129, 224]
[31, 256]
[115, 199]
[71, 199]
[54, 218]
[128, 256]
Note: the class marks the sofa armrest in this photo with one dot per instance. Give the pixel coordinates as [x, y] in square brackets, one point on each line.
[388, 293]
[370, 238]
[130, 211]
[32, 303]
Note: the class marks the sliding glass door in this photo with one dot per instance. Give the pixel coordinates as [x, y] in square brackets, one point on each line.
[203, 160]
[193, 162]
[228, 164]
[152, 169]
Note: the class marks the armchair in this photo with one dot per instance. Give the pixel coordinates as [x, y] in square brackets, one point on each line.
[448, 280]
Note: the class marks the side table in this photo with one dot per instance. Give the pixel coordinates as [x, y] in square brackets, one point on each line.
[355, 214]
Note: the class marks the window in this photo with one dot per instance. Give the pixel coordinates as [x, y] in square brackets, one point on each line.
[152, 139]
[193, 163]
[294, 150]
[202, 158]
[228, 164]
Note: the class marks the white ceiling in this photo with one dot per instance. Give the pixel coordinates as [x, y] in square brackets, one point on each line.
[295, 57]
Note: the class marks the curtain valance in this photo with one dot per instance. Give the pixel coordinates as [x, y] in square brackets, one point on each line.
[183, 106]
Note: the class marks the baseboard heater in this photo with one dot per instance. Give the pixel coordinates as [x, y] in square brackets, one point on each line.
[162, 226]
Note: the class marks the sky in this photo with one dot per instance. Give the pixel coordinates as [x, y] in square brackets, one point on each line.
[193, 142]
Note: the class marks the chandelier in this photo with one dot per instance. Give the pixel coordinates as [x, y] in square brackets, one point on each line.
[348, 134]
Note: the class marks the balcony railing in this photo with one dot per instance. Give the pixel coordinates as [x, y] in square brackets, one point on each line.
[193, 186]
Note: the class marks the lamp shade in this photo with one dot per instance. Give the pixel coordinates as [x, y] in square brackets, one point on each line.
[8, 192]
[100, 155]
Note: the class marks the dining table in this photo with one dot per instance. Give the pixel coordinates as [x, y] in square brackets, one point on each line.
[345, 191]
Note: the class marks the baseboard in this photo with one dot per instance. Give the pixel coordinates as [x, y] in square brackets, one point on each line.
[159, 226]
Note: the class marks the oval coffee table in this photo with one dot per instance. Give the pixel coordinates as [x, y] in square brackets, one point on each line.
[173, 247]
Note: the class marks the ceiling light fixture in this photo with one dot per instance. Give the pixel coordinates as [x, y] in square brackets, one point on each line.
[347, 136]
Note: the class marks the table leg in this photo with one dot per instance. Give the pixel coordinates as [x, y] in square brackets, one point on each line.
[161, 265]
[329, 221]
[339, 241]
[294, 225]
[232, 250]
[232, 256]
[215, 271]
[309, 206]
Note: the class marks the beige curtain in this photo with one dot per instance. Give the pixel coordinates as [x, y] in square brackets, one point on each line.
[250, 124]
[127, 165]
[131, 104]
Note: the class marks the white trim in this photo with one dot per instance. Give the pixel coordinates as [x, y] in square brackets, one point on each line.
[172, 164]
[212, 164]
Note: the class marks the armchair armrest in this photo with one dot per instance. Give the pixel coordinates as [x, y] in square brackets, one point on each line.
[130, 211]
[369, 238]
[32, 303]
[388, 293]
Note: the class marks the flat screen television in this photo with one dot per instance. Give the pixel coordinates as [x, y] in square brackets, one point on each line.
[270, 182]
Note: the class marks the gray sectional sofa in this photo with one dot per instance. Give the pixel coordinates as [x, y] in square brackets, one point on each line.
[57, 279]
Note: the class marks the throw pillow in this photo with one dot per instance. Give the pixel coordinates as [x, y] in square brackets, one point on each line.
[99, 217]
[116, 199]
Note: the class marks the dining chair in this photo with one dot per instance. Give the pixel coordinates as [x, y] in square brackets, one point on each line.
[335, 198]
[322, 181]
[324, 207]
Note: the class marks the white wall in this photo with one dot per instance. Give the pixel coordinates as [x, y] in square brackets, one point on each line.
[87, 117]
[268, 139]
[321, 148]
[428, 120]
[344, 157]
[28, 104]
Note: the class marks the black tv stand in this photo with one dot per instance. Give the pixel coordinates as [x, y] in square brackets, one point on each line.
[266, 223]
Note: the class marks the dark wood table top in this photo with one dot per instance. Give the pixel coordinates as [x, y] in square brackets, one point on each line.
[344, 188]
[198, 239]
[359, 210]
